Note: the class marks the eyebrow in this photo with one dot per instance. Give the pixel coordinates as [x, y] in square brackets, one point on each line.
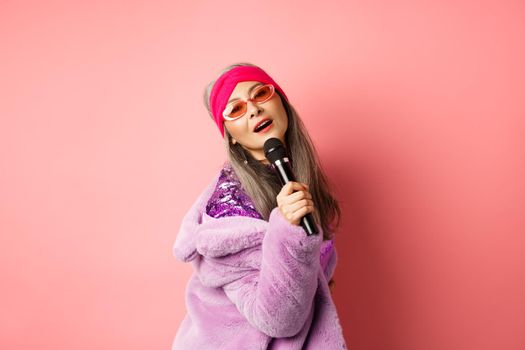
[250, 90]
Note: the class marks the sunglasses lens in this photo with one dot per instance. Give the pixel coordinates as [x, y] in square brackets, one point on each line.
[235, 110]
[238, 108]
[263, 93]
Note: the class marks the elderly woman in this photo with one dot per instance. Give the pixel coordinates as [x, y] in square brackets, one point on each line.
[259, 281]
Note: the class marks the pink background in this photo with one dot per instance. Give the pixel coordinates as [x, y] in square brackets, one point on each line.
[416, 108]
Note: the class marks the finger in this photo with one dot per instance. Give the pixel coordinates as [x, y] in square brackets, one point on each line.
[287, 188]
[294, 197]
[284, 191]
[302, 212]
[290, 187]
[300, 203]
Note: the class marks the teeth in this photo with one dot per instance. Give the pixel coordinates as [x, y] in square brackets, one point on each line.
[263, 125]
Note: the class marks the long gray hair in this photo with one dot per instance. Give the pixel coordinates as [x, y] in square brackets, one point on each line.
[263, 186]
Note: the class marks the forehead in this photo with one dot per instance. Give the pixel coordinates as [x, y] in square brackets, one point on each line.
[242, 88]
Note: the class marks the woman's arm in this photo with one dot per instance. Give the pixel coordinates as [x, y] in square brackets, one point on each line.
[278, 298]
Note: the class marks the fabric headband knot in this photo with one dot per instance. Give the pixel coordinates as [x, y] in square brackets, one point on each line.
[226, 83]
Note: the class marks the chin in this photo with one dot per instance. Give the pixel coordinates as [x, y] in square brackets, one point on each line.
[271, 134]
[274, 132]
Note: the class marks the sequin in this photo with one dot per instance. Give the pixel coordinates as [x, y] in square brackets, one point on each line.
[229, 199]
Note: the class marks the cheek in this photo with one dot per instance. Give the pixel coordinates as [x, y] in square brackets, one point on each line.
[238, 129]
[280, 113]
[278, 110]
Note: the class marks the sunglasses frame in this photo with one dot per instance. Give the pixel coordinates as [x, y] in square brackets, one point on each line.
[272, 88]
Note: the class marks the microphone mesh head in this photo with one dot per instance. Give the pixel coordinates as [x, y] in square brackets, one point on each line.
[274, 149]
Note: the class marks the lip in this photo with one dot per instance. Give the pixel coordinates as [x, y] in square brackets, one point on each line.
[260, 121]
[266, 129]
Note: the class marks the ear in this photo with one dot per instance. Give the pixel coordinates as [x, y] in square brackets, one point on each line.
[234, 141]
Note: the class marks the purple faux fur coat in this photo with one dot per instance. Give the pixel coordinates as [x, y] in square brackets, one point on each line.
[256, 284]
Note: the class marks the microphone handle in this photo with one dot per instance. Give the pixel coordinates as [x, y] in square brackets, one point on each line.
[286, 175]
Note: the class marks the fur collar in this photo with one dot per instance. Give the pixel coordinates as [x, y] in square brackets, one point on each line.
[202, 234]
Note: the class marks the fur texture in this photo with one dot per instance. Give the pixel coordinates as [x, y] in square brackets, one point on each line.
[256, 285]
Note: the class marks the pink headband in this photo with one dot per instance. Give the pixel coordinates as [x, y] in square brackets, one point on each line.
[226, 83]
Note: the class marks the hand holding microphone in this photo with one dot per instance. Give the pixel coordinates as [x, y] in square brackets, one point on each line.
[295, 206]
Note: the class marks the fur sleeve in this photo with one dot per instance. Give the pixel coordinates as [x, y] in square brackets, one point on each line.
[278, 298]
[330, 265]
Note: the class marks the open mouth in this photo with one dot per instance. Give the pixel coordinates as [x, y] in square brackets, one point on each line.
[263, 126]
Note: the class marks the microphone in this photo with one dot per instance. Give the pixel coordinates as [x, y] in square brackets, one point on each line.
[276, 153]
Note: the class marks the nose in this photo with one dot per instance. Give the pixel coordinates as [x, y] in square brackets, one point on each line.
[254, 109]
